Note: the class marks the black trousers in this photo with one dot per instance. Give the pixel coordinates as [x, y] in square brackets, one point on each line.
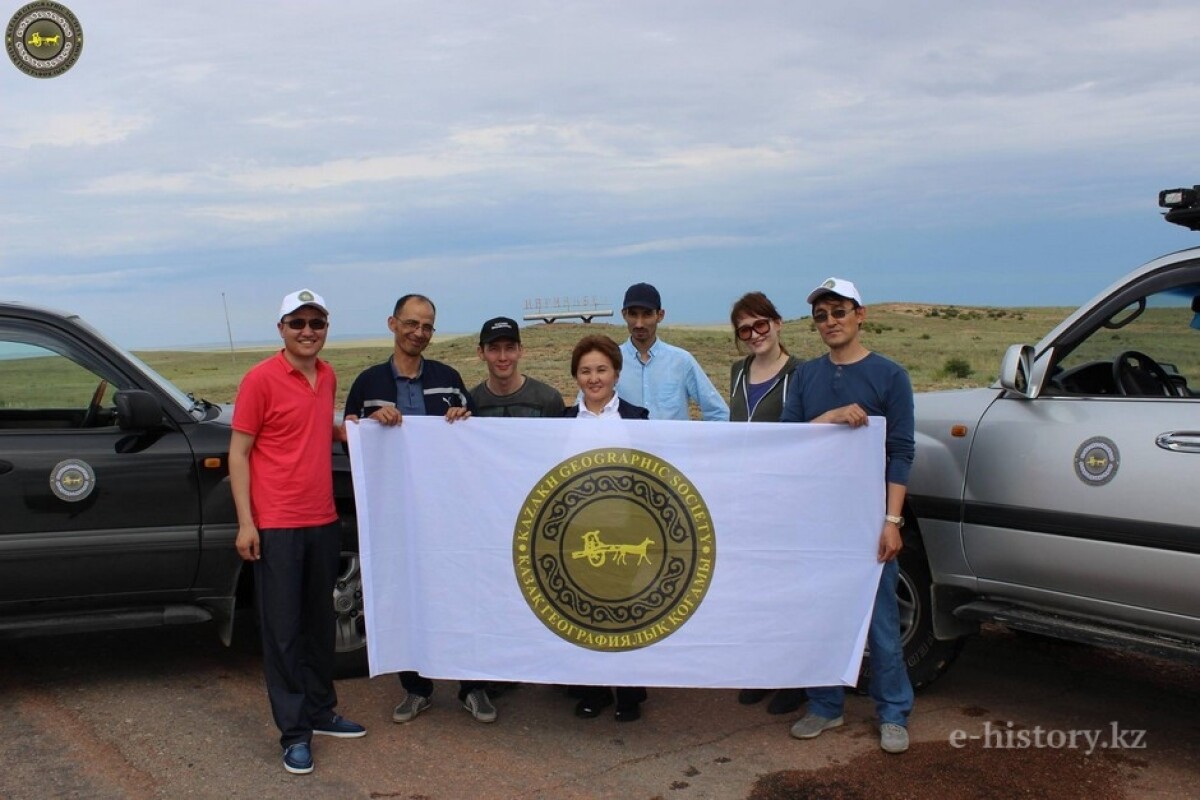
[294, 579]
[416, 683]
[627, 696]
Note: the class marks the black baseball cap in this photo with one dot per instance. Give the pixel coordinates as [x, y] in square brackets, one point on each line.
[642, 295]
[499, 328]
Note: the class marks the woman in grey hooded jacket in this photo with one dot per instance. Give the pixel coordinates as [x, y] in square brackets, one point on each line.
[758, 382]
[757, 388]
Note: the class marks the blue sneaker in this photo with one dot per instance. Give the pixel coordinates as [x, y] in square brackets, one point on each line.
[297, 759]
[340, 727]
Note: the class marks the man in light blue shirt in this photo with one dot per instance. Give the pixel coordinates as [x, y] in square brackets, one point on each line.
[659, 376]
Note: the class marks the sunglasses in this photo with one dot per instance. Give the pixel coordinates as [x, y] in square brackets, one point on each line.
[315, 324]
[837, 313]
[760, 327]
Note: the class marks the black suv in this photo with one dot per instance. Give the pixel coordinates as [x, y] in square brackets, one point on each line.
[115, 490]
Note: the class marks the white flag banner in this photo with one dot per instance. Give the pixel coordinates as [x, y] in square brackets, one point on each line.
[644, 553]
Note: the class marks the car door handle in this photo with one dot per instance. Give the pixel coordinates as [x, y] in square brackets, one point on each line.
[1179, 441]
[5, 466]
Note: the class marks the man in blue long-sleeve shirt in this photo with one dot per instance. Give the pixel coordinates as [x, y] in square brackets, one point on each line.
[657, 375]
[846, 386]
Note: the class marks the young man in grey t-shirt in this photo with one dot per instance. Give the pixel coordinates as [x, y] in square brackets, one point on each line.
[506, 392]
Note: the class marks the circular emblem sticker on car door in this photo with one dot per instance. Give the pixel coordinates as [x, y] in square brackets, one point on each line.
[72, 480]
[1096, 461]
[614, 549]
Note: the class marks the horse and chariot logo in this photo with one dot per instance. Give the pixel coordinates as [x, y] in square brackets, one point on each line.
[43, 39]
[614, 549]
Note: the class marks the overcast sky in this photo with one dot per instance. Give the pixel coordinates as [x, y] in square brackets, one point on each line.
[489, 153]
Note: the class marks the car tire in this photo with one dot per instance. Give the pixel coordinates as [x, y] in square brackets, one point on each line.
[351, 642]
[926, 656]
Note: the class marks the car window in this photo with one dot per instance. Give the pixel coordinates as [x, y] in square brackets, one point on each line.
[1148, 348]
[43, 388]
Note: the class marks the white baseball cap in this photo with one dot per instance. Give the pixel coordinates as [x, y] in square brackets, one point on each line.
[297, 300]
[836, 286]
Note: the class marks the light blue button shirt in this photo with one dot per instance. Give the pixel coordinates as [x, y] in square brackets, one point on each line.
[666, 382]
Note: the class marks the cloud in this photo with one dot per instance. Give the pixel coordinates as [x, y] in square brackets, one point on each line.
[72, 128]
[350, 171]
[283, 120]
[257, 214]
[586, 142]
[555, 252]
[107, 279]
[142, 183]
[190, 74]
[555, 153]
[677, 245]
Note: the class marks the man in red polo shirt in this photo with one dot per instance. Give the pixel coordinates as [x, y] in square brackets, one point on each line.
[281, 473]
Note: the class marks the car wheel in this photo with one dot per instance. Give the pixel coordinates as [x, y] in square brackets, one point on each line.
[351, 641]
[926, 656]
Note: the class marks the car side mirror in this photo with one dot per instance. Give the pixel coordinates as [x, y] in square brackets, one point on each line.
[1016, 369]
[137, 410]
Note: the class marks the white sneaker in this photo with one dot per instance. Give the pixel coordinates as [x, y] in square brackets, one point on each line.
[893, 738]
[810, 726]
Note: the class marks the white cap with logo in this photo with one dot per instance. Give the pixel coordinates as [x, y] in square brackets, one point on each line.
[300, 299]
[836, 286]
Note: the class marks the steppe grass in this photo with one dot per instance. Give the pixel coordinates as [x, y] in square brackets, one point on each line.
[923, 338]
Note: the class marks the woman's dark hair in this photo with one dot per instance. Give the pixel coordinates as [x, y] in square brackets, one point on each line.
[596, 343]
[754, 304]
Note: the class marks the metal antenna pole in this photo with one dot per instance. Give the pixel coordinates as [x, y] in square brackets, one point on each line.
[229, 330]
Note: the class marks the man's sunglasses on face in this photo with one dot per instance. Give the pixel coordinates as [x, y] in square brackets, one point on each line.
[315, 324]
[759, 327]
[837, 313]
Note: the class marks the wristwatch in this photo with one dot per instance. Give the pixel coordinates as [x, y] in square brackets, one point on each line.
[897, 521]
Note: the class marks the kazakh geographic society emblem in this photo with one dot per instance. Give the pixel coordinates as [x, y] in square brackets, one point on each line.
[614, 549]
[43, 39]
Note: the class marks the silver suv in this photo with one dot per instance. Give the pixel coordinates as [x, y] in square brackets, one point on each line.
[1059, 500]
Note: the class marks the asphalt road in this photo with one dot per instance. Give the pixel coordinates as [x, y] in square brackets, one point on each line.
[172, 713]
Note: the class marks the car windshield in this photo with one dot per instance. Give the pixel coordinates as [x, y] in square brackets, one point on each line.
[177, 394]
[184, 400]
[1158, 330]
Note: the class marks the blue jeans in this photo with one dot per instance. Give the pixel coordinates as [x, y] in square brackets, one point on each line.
[889, 686]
